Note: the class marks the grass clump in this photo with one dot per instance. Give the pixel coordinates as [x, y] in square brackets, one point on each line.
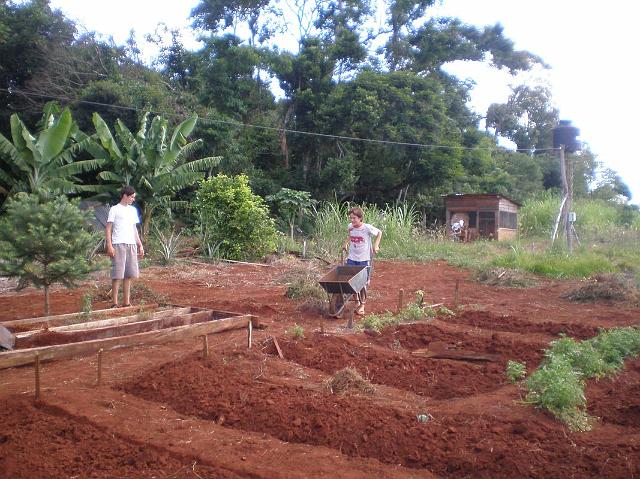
[515, 371]
[558, 384]
[348, 379]
[297, 332]
[377, 322]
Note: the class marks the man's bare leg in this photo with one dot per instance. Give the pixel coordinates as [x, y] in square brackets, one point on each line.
[126, 291]
[115, 286]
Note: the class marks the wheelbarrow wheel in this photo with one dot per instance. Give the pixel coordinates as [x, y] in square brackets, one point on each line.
[336, 305]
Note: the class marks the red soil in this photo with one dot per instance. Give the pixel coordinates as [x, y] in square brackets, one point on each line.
[166, 412]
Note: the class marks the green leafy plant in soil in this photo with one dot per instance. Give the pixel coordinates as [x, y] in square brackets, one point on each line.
[297, 332]
[558, 384]
[515, 371]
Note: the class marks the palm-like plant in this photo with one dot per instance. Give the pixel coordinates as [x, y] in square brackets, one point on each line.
[44, 161]
[155, 165]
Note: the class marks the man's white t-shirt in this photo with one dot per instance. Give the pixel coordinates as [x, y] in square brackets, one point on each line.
[124, 219]
[360, 241]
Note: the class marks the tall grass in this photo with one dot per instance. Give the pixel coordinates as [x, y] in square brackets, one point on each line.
[606, 246]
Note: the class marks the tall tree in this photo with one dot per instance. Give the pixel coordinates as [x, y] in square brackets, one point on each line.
[44, 240]
[527, 118]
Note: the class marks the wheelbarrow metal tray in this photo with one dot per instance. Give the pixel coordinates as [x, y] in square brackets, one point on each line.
[345, 279]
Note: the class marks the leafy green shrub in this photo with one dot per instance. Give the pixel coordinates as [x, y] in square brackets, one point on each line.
[515, 371]
[234, 221]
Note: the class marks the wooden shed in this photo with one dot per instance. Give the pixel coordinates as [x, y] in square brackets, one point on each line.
[485, 216]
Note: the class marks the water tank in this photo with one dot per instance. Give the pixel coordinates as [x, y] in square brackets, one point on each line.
[565, 134]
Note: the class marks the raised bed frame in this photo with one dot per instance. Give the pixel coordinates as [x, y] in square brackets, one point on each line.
[164, 326]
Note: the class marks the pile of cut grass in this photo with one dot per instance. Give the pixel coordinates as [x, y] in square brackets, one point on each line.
[608, 287]
[348, 379]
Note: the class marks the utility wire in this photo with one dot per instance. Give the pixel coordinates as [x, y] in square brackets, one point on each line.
[270, 128]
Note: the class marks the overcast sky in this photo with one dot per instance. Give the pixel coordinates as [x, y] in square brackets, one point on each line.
[590, 46]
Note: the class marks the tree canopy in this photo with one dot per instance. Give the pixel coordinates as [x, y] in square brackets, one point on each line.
[351, 109]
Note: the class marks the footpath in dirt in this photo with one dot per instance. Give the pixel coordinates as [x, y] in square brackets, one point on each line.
[166, 411]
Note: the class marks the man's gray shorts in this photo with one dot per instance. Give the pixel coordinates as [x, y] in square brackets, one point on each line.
[125, 262]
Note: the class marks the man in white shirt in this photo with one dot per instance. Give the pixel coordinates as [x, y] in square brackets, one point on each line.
[123, 245]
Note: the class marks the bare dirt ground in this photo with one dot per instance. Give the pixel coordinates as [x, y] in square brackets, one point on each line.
[165, 412]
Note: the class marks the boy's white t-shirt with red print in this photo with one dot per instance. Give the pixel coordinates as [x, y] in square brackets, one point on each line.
[360, 241]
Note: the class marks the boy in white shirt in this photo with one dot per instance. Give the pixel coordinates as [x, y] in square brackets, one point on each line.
[359, 245]
[123, 245]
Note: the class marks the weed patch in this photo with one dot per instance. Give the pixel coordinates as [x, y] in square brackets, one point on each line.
[558, 384]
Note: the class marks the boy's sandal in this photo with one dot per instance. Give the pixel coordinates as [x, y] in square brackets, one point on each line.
[128, 305]
[114, 306]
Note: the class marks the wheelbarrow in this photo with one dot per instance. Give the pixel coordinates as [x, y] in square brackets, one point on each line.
[344, 284]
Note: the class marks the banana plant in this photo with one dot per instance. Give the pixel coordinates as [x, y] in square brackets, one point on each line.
[44, 160]
[150, 161]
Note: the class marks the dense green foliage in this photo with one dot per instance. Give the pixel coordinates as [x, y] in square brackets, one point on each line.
[155, 164]
[558, 384]
[422, 140]
[235, 222]
[44, 240]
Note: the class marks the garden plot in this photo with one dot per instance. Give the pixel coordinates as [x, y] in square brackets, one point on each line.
[61, 445]
[167, 408]
[396, 366]
[247, 392]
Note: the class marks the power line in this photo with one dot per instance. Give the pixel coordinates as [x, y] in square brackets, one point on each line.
[269, 128]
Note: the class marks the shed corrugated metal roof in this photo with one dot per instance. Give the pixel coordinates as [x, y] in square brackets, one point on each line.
[481, 195]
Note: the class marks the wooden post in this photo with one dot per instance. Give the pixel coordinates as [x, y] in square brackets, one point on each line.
[249, 334]
[99, 379]
[400, 299]
[455, 299]
[205, 346]
[37, 367]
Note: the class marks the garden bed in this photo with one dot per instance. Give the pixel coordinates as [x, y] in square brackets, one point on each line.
[168, 411]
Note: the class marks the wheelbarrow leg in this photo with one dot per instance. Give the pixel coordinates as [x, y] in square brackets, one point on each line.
[337, 302]
[350, 320]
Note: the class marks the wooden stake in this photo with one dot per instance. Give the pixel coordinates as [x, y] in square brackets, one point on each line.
[455, 299]
[205, 346]
[99, 380]
[275, 342]
[249, 334]
[37, 377]
[400, 299]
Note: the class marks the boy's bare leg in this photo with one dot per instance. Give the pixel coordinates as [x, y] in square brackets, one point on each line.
[126, 291]
[115, 286]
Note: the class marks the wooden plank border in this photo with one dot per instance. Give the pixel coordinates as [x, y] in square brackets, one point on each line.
[106, 323]
[178, 333]
[72, 318]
